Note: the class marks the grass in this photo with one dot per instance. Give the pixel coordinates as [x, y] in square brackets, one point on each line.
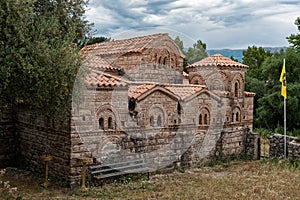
[268, 179]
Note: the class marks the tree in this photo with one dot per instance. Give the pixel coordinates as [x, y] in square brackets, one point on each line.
[39, 59]
[254, 57]
[94, 40]
[179, 43]
[193, 54]
[270, 105]
[197, 52]
[69, 15]
[294, 39]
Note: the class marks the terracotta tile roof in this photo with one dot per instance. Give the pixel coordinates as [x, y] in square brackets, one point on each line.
[100, 79]
[180, 91]
[94, 62]
[136, 44]
[217, 60]
[184, 91]
[135, 91]
[249, 94]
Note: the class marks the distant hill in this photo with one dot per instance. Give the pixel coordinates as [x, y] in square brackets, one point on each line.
[238, 53]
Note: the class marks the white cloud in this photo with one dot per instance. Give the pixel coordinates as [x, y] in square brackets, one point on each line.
[219, 23]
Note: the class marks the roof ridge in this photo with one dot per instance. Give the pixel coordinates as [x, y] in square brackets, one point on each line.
[217, 60]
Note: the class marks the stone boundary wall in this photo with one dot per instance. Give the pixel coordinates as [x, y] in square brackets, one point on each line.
[39, 136]
[252, 144]
[8, 137]
[277, 146]
[239, 142]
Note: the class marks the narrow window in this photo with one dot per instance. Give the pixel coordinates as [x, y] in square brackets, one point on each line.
[101, 123]
[236, 89]
[205, 119]
[159, 60]
[159, 120]
[110, 126]
[232, 117]
[237, 117]
[200, 119]
[151, 121]
[165, 61]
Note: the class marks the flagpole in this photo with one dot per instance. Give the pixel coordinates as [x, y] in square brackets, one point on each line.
[283, 93]
[284, 111]
[284, 122]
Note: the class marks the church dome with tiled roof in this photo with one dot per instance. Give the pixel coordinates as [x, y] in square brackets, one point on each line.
[217, 60]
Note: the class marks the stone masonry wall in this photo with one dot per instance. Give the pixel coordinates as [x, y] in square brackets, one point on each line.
[158, 73]
[8, 137]
[277, 146]
[239, 141]
[40, 136]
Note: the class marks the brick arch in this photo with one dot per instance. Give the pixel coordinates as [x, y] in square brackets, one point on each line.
[197, 79]
[236, 114]
[106, 112]
[163, 57]
[217, 80]
[155, 113]
[103, 146]
[237, 85]
[226, 79]
[204, 115]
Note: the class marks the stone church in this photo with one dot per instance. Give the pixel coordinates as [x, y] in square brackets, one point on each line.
[137, 102]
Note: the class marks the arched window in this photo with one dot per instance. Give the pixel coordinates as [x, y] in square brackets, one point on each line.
[236, 115]
[101, 123]
[236, 89]
[109, 122]
[204, 117]
[159, 120]
[151, 121]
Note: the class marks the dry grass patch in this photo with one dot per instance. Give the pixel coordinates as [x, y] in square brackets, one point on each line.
[242, 180]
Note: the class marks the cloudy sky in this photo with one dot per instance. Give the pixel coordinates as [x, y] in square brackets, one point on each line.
[219, 23]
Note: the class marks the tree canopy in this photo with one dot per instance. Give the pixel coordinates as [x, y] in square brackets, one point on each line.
[193, 54]
[294, 39]
[263, 79]
[39, 52]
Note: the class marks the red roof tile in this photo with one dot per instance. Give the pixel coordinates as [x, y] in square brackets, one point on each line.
[217, 60]
[136, 44]
[180, 91]
[100, 79]
[184, 91]
[135, 91]
[97, 63]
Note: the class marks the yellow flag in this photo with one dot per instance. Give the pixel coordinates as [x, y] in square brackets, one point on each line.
[283, 80]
